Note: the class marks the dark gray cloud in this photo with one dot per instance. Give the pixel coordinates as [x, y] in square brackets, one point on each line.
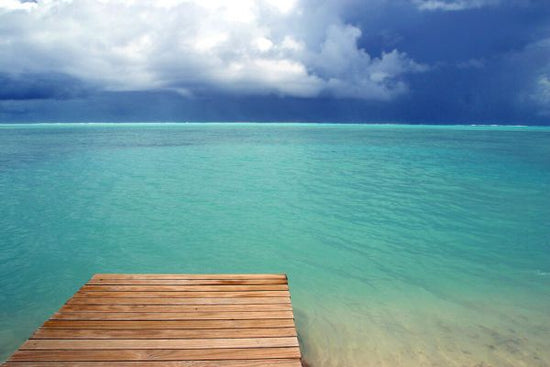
[41, 86]
[406, 60]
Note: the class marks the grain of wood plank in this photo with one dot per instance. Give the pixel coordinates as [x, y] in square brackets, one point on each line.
[92, 300]
[47, 333]
[189, 276]
[183, 288]
[169, 320]
[219, 363]
[184, 294]
[157, 354]
[187, 324]
[233, 315]
[161, 344]
[187, 281]
[173, 308]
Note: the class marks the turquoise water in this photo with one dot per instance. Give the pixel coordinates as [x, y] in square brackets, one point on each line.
[405, 246]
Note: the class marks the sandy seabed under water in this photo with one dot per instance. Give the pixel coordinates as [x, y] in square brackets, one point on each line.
[414, 334]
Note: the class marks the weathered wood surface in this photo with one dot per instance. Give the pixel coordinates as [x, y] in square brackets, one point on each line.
[171, 320]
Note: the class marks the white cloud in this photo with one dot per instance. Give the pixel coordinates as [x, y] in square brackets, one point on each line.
[540, 89]
[245, 46]
[10, 5]
[352, 72]
[453, 5]
[543, 87]
[471, 64]
[531, 70]
[538, 94]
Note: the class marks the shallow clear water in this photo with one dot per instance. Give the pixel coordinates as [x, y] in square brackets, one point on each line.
[405, 246]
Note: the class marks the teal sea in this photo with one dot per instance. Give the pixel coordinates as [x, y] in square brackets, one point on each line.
[404, 245]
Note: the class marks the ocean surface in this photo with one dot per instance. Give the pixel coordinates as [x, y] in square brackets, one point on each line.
[404, 245]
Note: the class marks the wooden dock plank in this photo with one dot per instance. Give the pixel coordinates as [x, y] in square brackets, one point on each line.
[169, 320]
[187, 281]
[80, 355]
[46, 333]
[189, 276]
[172, 308]
[179, 300]
[226, 315]
[168, 324]
[197, 294]
[183, 288]
[225, 363]
[161, 343]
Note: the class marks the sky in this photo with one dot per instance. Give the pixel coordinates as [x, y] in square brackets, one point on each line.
[383, 61]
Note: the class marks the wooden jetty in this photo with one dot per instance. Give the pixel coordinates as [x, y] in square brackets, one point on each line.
[169, 320]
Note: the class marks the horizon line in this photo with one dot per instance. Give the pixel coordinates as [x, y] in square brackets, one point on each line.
[272, 123]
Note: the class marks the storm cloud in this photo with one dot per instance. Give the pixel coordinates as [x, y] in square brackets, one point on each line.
[405, 60]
